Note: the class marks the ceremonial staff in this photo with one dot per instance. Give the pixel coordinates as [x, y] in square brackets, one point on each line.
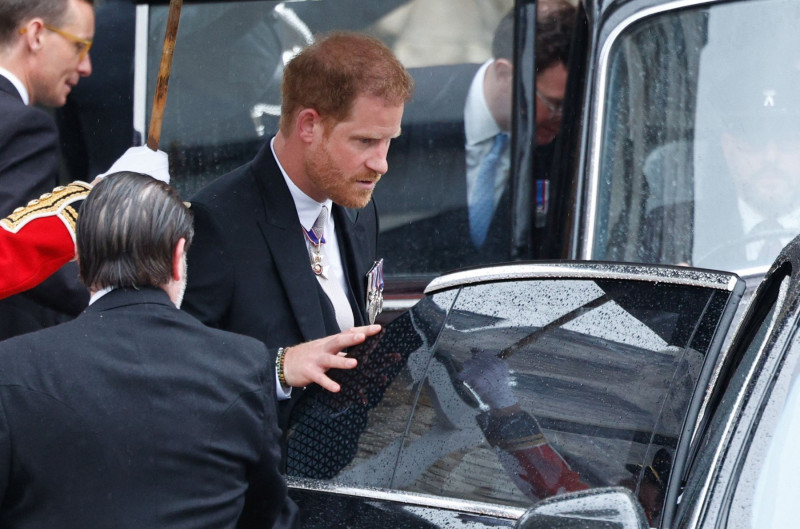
[160, 95]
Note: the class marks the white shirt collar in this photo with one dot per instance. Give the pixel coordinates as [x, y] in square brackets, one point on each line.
[23, 92]
[479, 125]
[307, 208]
[99, 294]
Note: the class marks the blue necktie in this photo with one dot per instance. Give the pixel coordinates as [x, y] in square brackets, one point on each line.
[481, 208]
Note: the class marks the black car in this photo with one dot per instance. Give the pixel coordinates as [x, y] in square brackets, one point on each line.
[571, 394]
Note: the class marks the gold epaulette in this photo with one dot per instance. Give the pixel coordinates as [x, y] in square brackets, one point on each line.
[63, 202]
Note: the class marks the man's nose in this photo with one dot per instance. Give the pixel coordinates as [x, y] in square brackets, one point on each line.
[377, 162]
[85, 66]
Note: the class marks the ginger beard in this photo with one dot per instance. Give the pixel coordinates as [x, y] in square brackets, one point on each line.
[348, 191]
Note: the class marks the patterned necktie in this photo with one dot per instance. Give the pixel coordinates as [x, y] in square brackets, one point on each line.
[481, 207]
[325, 273]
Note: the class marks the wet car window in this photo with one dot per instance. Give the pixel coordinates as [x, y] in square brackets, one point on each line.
[700, 159]
[355, 435]
[519, 390]
[224, 100]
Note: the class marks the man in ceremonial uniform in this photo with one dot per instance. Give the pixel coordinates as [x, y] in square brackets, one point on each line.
[284, 244]
[44, 51]
[39, 238]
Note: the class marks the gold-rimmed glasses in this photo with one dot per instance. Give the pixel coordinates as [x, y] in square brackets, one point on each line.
[82, 45]
[555, 108]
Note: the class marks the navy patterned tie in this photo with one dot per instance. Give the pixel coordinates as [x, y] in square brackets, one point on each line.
[481, 207]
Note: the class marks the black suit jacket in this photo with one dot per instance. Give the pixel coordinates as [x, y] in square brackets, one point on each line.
[136, 415]
[249, 270]
[28, 169]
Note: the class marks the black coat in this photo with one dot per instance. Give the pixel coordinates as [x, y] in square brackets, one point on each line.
[136, 415]
[249, 270]
[28, 169]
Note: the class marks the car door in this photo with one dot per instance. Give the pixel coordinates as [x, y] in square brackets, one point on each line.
[741, 472]
[508, 384]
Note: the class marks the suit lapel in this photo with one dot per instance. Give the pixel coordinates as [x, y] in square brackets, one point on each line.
[352, 239]
[280, 228]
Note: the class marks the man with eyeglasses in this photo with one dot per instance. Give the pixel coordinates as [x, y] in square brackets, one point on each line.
[459, 123]
[488, 119]
[44, 51]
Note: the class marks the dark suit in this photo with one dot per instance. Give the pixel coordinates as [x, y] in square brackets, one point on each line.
[136, 415]
[28, 169]
[249, 268]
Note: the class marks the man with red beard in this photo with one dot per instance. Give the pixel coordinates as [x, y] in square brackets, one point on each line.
[284, 243]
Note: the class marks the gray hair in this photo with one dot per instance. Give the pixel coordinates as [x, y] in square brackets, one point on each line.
[127, 231]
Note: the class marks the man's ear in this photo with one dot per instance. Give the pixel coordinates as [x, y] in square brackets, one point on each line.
[32, 33]
[305, 124]
[504, 70]
[177, 258]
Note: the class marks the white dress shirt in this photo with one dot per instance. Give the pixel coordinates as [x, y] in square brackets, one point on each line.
[480, 128]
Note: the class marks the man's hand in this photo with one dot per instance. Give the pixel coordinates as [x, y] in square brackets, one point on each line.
[308, 362]
[142, 160]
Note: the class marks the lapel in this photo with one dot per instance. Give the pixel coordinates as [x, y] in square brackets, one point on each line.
[280, 228]
[352, 240]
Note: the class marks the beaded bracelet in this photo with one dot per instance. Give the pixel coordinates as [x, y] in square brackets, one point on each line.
[279, 366]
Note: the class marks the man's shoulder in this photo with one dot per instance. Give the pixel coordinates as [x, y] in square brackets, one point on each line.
[236, 186]
[19, 117]
[235, 340]
[226, 188]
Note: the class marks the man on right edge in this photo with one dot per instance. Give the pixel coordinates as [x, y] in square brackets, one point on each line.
[284, 243]
[135, 414]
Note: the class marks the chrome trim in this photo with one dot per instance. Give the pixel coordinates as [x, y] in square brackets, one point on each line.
[399, 305]
[595, 145]
[696, 277]
[408, 498]
[140, 71]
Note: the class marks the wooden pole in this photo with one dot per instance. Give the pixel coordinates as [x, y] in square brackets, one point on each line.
[160, 95]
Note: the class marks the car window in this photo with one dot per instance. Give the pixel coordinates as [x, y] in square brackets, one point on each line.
[548, 386]
[699, 158]
[520, 389]
[354, 436]
[224, 99]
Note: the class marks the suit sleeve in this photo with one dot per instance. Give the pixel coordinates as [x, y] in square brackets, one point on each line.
[210, 279]
[38, 239]
[5, 453]
[267, 502]
[29, 165]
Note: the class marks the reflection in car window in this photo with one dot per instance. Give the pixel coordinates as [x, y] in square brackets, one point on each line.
[522, 390]
[701, 134]
[355, 434]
